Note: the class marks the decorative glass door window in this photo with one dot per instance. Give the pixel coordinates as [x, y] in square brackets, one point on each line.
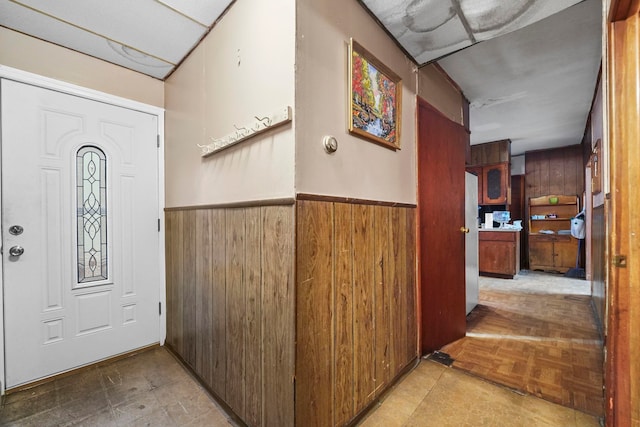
[91, 216]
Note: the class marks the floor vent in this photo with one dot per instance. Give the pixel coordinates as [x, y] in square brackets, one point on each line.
[440, 357]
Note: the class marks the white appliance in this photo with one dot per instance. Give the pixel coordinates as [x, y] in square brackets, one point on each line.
[471, 240]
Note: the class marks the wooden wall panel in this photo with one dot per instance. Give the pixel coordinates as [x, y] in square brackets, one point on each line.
[230, 305]
[382, 303]
[189, 287]
[235, 266]
[253, 315]
[204, 347]
[363, 291]
[356, 277]
[175, 302]
[343, 303]
[278, 316]
[314, 314]
[218, 303]
[398, 247]
[233, 307]
[411, 286]
[556, 171]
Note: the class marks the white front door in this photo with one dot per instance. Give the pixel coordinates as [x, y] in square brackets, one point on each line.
[79, 230]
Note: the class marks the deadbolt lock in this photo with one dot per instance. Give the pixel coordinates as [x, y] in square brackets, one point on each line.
[16, 230]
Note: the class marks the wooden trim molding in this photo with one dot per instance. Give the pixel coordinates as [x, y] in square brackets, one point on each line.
[622, 367]
[350, 200]
[243, 204]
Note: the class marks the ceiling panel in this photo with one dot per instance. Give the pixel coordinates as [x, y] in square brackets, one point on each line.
[146, 25]
[29, 22]
[149, 36]
[204, 11]
[431, 29]
[535, 85]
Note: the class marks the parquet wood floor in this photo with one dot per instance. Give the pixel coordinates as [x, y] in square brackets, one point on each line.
[536, 334]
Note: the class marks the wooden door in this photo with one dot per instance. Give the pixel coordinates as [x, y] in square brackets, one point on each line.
[441, 189]
[540, 252]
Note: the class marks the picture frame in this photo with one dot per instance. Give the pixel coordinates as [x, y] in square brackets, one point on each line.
[375, 98]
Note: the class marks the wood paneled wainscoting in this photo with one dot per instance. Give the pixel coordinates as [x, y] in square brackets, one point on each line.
[356, 306]
[299, 314]
[230, 305]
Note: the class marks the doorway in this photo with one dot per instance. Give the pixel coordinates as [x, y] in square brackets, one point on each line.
[80, 202]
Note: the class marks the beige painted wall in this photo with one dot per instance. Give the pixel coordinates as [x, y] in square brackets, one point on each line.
[46, 59]
[437, 90]
[242, 69]
[359, 169]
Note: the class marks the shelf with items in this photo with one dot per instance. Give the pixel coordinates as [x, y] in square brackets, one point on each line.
[551, 246]
[552, 213]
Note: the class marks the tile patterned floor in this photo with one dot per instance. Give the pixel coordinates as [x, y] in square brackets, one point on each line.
[436, 395]
[148, 389]
[536, 334]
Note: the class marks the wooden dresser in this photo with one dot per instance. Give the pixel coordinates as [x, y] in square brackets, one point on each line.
[551, 247]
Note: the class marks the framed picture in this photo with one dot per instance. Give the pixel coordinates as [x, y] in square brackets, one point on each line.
[374, 98]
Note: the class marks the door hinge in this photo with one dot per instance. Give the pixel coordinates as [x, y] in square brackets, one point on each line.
[158, 140]
[620, 261]
[160, 309]
[158, 225]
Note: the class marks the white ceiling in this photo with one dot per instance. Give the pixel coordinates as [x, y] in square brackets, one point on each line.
[528, 67]
[149, 36]
[535, 85]
[431, 29]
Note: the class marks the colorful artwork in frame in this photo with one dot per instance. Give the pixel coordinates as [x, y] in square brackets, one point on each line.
[375, 98]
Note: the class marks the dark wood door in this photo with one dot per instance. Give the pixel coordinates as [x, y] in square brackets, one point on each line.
[441, 167]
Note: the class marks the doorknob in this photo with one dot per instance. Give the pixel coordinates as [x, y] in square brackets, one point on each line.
[16, 251]
[464, 230]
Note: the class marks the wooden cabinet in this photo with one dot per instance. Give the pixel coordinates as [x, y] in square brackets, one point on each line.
[552, 252]
[490, 162]
[551, 246]
[493, 183]
[491, 152]
[499, 253]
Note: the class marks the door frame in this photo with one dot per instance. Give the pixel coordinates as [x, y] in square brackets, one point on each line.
[25, 77]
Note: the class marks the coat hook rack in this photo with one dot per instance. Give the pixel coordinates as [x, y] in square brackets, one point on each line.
[242, 133]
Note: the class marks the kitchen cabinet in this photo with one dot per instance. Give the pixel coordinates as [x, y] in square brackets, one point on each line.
[493, 183]
[499, 252]
[490, 162]
[551, 246]
[552, 252]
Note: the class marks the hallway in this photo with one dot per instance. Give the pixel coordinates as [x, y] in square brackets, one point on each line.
[152, 388]
[537, 336]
